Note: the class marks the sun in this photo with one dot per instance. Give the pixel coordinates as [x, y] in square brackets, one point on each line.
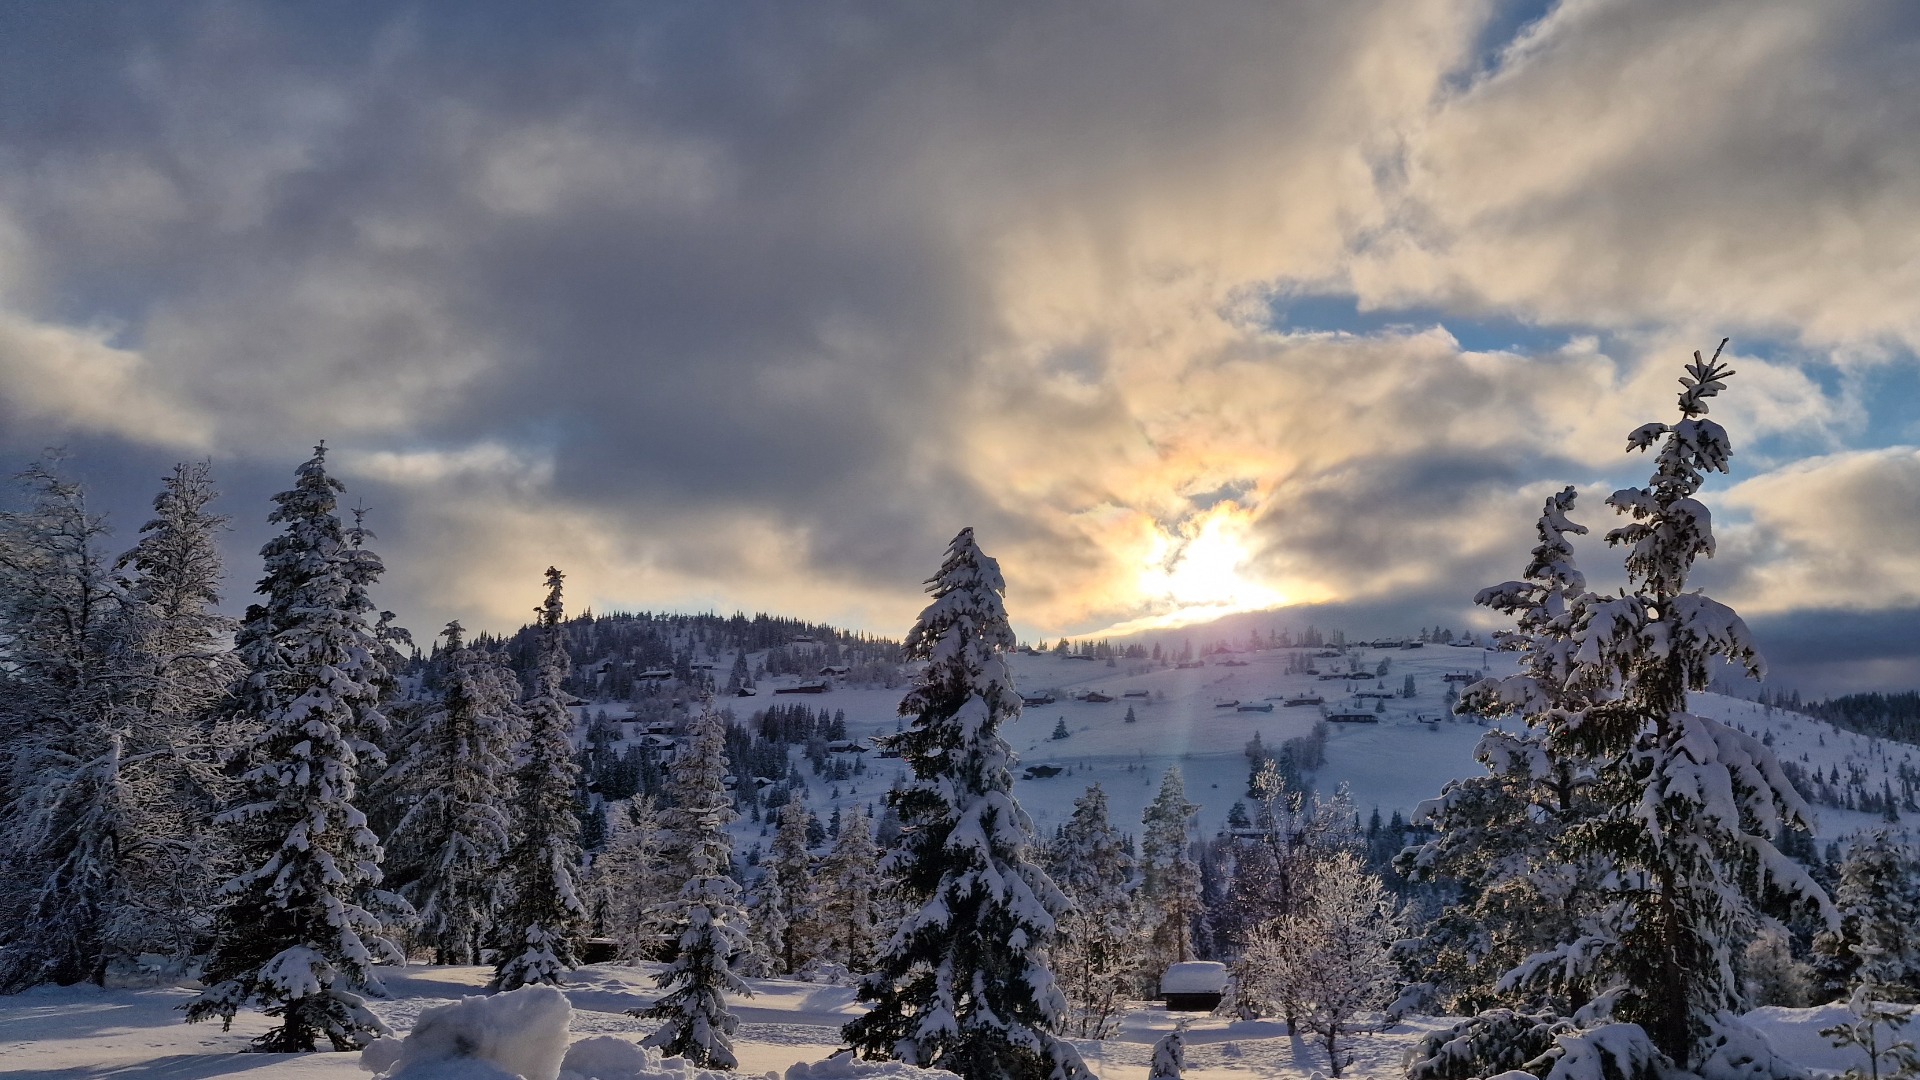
[1200, 569]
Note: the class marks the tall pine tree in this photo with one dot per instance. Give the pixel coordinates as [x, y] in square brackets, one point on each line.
[963, 985]
[850, 903]
[1687, 807]
[294, 938]
[1170, 884]
[544, 912]
[452, 773]
[706, 917]
[1509, 842]
[1097, 951]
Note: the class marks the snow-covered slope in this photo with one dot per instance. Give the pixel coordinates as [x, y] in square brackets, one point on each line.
[1391, 765]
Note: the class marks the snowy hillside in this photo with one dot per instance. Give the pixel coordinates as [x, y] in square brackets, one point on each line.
[1183, 717]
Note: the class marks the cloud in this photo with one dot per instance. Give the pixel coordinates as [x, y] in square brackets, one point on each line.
[77, 380]
[757, 310]
[1840, 531]
[1747, 167]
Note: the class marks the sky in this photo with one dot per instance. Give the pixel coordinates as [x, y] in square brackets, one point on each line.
[1186, 309]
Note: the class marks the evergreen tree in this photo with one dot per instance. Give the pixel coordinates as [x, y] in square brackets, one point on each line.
[1878, 896]
[629, 880]
[767, 924]
[1687, 806]
[543, 915]
[1170, 884]
[792, 864]
[452, 772]
[850, 904]
[1097, 952]
[1507, 841]
[1169, 1055]
[963, 984]
[707, 915]
[175, 864]
[294, 938]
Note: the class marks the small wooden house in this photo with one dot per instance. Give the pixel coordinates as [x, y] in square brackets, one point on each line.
[1194, 986]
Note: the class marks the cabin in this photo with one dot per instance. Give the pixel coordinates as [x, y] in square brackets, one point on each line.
[1305, 699]
[834, 669]
[1263, 707]
[845, 746]
[1036, 699]
[1191, 664]
[1413, 644]
[1135, 693]
[1080, 656]
[1194, 986]
[1352, 718]
[1336, 675]
[1234, 704]
[654, 675]
[598, 950]
[1384, 695]
[1042, 772]
[1095, 697]
[746, 691]
[811, 686]
[1233, 663]
[1460, 677]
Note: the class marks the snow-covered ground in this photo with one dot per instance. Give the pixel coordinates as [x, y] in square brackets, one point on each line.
[137, 1032]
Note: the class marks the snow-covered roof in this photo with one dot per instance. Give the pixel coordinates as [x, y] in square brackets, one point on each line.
[1194, 977]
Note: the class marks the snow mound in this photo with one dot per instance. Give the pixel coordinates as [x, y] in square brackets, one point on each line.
[609, 1057]
[518, 1034]
[845, 1066]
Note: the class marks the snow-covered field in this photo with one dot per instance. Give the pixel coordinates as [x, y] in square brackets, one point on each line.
[137, 1032]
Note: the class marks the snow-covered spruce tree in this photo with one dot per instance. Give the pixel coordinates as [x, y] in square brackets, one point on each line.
[293, 937]
[452, 772]
[1332, 958]
[766, 927]
[1688, 806]
[1169, 1055]
[1502, 840]
[628, 877]
[1878, 897]
[1170, 879]
[792, 864]
[963, 983]
[66, 673]
[1097, 952]
[544, 911]
[182, 667]
[706, 917]
[850, 902]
